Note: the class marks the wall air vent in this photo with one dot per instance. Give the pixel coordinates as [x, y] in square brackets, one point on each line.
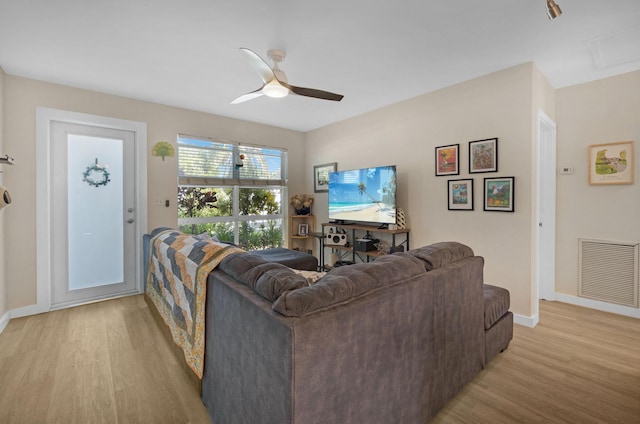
[608, 271]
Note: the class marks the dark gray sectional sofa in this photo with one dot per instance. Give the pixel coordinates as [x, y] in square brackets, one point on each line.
[391, 341]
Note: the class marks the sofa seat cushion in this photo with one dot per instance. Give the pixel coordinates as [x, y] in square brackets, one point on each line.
[291, 258]
[441, 254]
[496, 304]
[346, 283]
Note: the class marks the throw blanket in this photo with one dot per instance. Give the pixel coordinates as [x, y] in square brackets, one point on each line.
[179, 265]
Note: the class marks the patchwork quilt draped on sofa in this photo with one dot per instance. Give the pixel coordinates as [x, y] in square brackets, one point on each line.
[176, 283]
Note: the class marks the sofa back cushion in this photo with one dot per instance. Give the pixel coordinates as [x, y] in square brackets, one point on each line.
[441, 254]
[268, 279]
[346, 283]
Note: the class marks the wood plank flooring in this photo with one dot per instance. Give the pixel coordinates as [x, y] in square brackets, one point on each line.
[101, 363]
[576, 366]
[109, 363]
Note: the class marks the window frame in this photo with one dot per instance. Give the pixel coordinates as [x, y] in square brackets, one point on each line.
[236, 183]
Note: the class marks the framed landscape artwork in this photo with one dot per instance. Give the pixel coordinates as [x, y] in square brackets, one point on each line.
[321, 176]
[447, 160]
[483, 156]
[611, 163]
[460, 195]
[498, 194]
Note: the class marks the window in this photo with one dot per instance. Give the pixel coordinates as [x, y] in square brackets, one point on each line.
[233, 191]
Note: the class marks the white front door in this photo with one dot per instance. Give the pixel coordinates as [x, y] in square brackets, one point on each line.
[93, 215]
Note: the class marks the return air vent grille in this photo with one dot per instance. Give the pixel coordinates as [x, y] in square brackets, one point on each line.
[608, 271]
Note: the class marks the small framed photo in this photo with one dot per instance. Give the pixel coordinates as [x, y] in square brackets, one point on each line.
[447, 160]
[498, 194]
[321, 176]
[611, 163]
[303, 229]
[483, 156]
[460, 195]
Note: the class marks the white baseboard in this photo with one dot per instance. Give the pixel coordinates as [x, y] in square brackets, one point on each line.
[532, 321]
[4, 320]
[596, 304]
[28, 310]
[526, 321]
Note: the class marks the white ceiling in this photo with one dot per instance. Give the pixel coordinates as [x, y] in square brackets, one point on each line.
[374, 52]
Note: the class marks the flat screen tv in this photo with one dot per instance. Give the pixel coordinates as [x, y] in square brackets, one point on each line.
[365, 195]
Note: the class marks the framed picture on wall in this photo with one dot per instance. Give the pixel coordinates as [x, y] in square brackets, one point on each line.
[611, 163]
[483, 156]
[460, 195]
[498, 194]
[447, 160]
[321, 176]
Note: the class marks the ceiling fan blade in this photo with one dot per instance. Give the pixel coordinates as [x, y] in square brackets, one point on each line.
[262, 68]
[248, 96]
[312, 92]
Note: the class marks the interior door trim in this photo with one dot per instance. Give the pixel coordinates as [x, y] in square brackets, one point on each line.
[44, 119]
[545, 210]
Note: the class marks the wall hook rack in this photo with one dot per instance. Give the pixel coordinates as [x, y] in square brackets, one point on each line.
[6, 160]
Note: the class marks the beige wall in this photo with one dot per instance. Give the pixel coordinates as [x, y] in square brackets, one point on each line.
[500, 105]
[406, 134]
[22, 96]
[603, 111]
[3, 240]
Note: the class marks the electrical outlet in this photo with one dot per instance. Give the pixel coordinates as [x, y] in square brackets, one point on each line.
[566, 170]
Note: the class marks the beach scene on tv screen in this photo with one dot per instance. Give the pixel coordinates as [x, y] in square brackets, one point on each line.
[363, 195]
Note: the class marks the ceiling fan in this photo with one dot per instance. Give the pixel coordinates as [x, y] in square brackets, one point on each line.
[275, 81]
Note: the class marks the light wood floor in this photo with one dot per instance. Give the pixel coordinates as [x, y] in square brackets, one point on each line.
[107, 362]
[576, 366]
[101, 363]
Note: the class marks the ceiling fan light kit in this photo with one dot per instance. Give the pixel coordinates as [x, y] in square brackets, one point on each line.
[275, 90]
[553, 10]
[275, 83]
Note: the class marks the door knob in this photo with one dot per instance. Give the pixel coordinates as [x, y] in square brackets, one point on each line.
[130, 221]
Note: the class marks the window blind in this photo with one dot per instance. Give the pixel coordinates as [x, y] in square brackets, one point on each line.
[203, 162]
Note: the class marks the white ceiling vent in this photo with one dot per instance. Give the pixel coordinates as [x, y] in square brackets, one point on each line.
[616, 49]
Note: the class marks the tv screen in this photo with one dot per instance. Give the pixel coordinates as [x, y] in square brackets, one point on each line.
[363, 195]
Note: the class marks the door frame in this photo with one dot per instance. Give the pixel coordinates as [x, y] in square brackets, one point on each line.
[545, 220]
[44, 119]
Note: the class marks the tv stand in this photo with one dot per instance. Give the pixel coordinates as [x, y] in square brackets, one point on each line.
[348, 253]
[339, 222]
